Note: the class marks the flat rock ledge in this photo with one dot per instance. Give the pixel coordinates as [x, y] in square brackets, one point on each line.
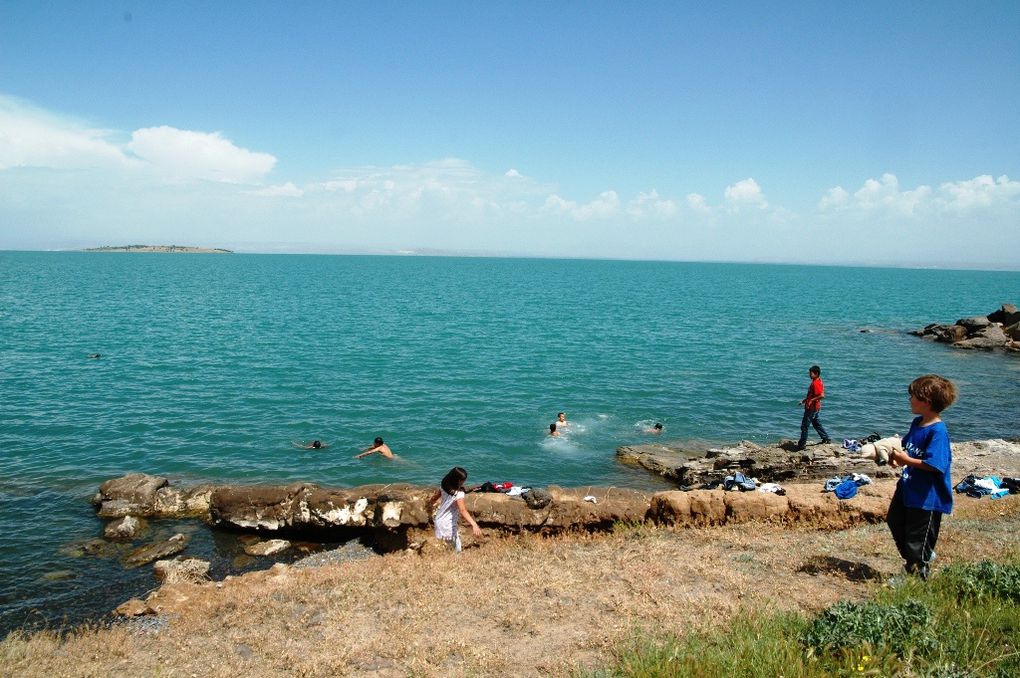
[783, 464]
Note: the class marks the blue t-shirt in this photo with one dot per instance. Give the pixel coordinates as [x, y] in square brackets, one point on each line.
[923, 489]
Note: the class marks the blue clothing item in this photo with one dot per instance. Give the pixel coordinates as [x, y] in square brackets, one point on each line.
[846, 490]
[923, 489]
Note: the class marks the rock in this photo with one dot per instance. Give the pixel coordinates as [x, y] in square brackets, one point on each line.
[132, 608]
[58, 575]
[125, 528]
[659, 459]
[974, 324]
[949, 334]
[991, 336]
[186, 569]
[778, 463]
[537, 498]
[150, 552]
[267, 548]
[171, 502]
[1007, 315]
[1012, 331]
[135, 490]
[97, 548]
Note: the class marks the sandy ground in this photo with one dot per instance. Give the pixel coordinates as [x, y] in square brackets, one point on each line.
[523, 606]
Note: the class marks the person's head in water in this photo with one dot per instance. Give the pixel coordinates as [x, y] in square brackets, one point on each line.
[658, 426]
[453, 481]
[552, 429]
[377, 442]
[316, 444]
[561, 417]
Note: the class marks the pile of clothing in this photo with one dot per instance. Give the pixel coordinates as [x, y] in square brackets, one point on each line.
[989, 486]
[535, 498]
[738, 482]
[845, 486]
[855, 444]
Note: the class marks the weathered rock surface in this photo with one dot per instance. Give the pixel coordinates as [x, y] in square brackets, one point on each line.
[818, 462]
[267, 548]
[998, 330]
[150, 552]
[397, 516]
[138, 494]
[773, 464]
[126, 528]
[803, 503]
[185, 569]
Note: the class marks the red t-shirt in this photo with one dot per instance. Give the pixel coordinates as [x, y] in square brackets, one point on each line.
[815, 391]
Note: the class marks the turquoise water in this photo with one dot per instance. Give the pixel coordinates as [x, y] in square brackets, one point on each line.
[213, 365]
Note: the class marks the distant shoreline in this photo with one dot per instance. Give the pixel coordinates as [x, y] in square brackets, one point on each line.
[163, 249]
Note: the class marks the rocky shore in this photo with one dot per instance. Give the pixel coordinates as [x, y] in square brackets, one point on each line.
[999, 329]
[395, 517]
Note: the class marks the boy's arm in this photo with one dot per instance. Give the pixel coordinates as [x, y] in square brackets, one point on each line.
[367, 452]
[901, 458]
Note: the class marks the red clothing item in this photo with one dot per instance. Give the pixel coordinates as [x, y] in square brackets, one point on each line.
[815, 393]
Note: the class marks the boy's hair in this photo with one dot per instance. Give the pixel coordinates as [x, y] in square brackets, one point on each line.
[937, 391]
[815, 370]
[454, 480]
[378, 442]
[552, 427]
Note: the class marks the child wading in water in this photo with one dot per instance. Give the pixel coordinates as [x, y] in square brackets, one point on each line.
[925, 490]
[450, 496]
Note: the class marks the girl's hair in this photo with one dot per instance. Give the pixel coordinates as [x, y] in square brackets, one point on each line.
[454, 480]
[552, 427]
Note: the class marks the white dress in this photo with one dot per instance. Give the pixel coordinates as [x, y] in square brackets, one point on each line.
[447, 515]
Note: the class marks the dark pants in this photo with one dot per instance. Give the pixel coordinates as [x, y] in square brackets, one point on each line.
[812, 417]
[915, 532]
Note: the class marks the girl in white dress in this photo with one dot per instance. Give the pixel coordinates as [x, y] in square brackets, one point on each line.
[450, 496]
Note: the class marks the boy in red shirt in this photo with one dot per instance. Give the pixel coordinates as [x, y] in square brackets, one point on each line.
[812, 404]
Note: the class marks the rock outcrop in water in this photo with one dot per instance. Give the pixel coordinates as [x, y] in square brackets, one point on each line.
[997, 330]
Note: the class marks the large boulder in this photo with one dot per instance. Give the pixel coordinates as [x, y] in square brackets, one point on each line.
[133, 494]
[1006, 315]
[185, 569]
[974, 324]
[267, 548]
[990, 336]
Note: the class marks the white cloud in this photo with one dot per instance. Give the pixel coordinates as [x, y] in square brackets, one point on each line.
[979, 192]
[287, 190]
[834, 198]
[884, 196]
[512, 173]
[698, 203]
[185, 154]
[651, 205]
[31, 137]
[606, 205]
[745, 192]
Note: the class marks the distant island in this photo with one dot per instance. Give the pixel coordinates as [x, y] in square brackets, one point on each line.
[167, 249]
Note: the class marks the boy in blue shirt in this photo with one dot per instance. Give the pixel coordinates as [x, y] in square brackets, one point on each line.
[925, 489]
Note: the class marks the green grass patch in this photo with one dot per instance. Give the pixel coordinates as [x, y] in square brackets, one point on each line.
[964, 622]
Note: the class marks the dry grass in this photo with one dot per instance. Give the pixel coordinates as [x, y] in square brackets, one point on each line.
[523, 606]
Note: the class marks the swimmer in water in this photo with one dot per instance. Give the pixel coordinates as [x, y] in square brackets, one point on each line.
[561, 419]
[95, 356]
[314, 445]
[377, 446]
[552, 430]
[655, 429]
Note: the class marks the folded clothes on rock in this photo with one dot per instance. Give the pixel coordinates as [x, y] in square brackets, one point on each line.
[988, 486]
[738, 481]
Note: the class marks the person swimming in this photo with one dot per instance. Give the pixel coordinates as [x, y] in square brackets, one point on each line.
[552, 429]
[655, 429]
[377, 446]
[314, 445]
[561, 419]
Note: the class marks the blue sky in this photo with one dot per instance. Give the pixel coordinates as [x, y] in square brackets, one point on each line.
[864, 133]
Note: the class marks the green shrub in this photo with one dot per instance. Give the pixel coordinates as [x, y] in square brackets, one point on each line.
[981, 580]
[896, 626]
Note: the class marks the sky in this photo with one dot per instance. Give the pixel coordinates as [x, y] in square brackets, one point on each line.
[868, 133]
